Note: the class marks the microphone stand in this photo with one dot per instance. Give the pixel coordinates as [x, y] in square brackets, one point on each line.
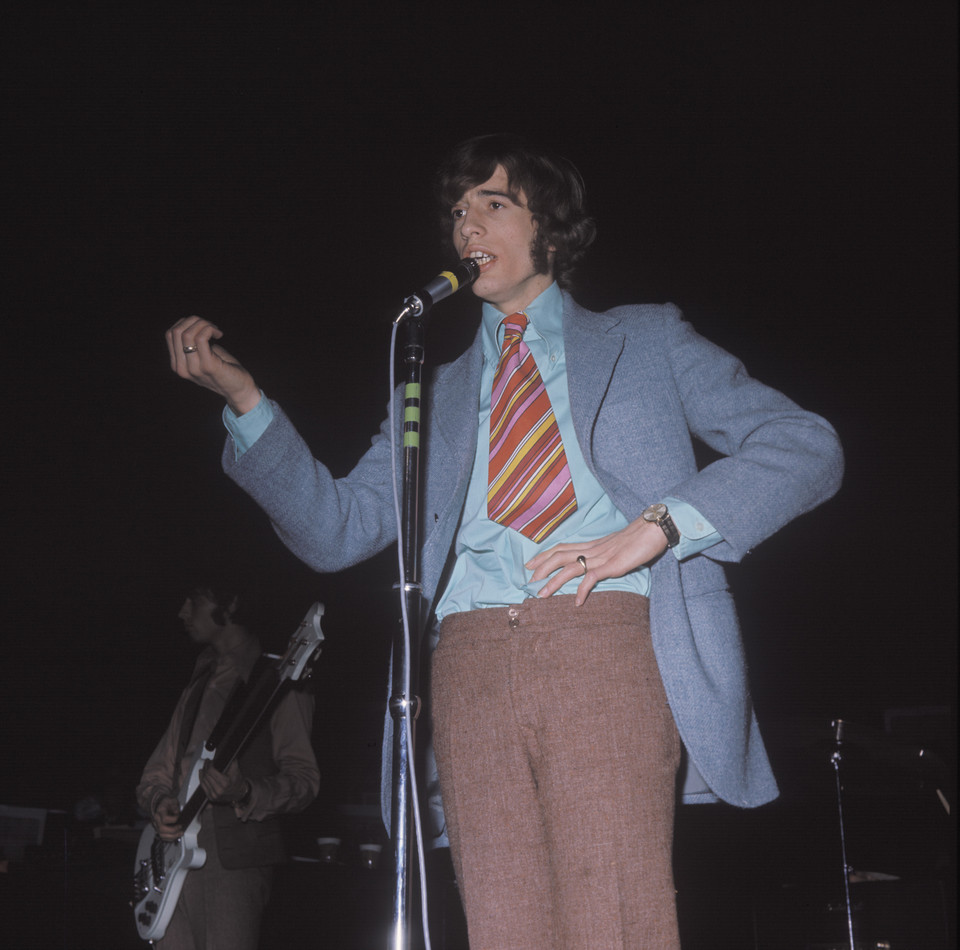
[405, 708]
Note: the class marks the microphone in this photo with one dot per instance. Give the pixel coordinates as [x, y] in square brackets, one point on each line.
[447, 282]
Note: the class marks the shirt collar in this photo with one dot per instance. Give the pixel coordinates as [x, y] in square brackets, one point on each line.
[544, 313]
[242, 658]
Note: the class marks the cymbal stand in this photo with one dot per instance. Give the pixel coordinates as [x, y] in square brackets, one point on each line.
[838, 729]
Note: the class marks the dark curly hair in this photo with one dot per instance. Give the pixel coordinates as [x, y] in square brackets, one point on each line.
[235, 597]
[552, 185]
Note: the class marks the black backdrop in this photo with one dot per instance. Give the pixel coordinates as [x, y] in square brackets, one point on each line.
[785, 173]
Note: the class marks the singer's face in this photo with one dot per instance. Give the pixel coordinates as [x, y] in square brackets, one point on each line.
[491, 222]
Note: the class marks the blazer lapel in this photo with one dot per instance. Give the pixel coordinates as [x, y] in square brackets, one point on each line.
[454, 404]
[592, 346]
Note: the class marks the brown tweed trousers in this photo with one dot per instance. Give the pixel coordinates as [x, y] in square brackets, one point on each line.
[557, 755]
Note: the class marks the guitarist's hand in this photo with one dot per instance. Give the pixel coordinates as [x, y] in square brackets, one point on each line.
[226, 786]
[166, 819]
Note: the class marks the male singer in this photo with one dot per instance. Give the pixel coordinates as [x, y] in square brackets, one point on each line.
[572, 557]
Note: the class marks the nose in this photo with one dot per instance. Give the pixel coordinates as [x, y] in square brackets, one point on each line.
[184, 613]
[469, 225]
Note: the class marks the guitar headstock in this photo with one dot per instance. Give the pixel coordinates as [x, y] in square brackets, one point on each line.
[304, 645]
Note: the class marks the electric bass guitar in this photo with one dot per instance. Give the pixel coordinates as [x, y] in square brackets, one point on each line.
[162, 866]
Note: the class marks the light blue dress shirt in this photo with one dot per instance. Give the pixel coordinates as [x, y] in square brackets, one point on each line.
[489, 567]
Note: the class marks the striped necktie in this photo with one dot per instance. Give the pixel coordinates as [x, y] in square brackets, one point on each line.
[530, 488]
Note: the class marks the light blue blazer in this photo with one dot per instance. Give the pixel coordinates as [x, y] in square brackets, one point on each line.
[642, 383]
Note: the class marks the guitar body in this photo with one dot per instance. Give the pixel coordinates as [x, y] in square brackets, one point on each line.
[161, 866]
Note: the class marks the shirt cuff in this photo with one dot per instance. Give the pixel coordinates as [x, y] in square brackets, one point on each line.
[696, 533]
[246, 429]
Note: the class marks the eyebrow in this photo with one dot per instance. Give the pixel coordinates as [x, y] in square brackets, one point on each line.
[511, 196]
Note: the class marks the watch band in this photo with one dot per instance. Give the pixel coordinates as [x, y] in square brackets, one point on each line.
[659, 515]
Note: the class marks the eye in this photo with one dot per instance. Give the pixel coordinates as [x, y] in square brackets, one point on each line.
[496, 205]
[457, 213]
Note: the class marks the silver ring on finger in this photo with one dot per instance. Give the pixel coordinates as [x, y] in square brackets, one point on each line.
[582, 561]
[192, 348]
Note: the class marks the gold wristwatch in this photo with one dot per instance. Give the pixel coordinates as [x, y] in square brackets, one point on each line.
[659, 515]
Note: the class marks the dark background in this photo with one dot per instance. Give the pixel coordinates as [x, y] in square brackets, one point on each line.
[784, 173]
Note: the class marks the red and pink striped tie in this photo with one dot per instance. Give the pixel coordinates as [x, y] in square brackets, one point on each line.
[530, 488]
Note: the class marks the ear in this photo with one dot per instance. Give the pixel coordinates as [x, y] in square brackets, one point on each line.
[231, 610]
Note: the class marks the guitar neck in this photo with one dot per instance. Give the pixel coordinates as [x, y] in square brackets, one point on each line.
[195, 804]
[258, 700]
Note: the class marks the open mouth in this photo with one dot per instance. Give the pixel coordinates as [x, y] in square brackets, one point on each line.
[482, 257]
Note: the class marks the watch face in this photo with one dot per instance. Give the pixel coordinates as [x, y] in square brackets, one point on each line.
[654, 512]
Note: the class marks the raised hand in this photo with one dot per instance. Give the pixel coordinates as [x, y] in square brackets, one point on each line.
[194, 356]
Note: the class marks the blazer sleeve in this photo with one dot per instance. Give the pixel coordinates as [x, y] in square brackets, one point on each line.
[778, 460]
[329, 523]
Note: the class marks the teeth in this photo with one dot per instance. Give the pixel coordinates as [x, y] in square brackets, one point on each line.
[481, 256]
